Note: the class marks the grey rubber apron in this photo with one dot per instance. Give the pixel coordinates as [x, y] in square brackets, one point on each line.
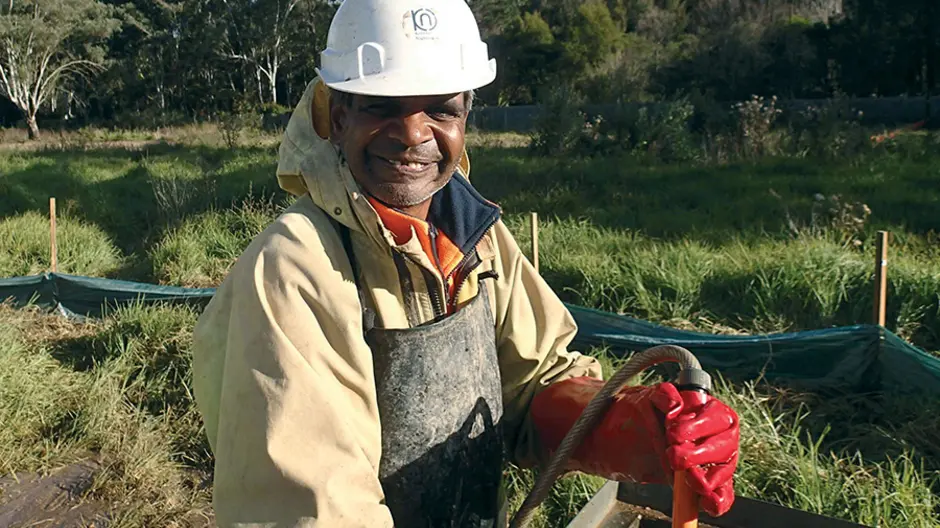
[440, 405]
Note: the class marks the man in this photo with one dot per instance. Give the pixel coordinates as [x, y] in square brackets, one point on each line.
[377, 352]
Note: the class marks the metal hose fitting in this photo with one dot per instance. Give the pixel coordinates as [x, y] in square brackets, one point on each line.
[691, 375]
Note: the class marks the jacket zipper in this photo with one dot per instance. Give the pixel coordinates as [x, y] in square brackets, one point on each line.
[459, 267]
[440, 309]
[462, 274]
[441, 301]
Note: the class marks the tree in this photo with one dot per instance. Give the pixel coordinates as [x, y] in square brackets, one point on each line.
[591, 35]
[495, 16]
[531, 59]
[306, 39]
[46, 43]
[257, 35]
[163, 62]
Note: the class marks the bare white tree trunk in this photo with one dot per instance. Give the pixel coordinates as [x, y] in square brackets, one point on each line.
[161, 96]
[271, 72]
[265, 56]
[30, 73]
[258, 80]
[31, 125]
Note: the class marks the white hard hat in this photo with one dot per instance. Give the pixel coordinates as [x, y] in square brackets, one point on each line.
[398, 48]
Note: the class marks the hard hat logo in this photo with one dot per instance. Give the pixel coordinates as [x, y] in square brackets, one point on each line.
[424, 20]
[420, 23]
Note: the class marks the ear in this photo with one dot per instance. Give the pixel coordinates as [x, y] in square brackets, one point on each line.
[339, 115]
[320, 110]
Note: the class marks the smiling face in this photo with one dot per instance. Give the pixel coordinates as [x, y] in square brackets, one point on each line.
[401, 150]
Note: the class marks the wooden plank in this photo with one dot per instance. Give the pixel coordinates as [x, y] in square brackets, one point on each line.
[881, 278]
[746, 513]
[534, 227]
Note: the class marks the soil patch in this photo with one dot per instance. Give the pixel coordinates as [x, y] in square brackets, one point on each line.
[54, 500]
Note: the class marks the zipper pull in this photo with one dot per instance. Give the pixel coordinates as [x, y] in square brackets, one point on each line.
[432, 234]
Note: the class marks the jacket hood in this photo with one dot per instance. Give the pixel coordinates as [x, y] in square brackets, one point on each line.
[309, 163]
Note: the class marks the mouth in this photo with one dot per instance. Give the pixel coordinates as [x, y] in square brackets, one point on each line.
[407, 166]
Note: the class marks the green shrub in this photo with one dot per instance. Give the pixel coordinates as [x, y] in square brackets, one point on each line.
[274, 109]
[756, 118]
[661, 132]
[560, 127]
[233, 125]
[83, 248]
[830, 130]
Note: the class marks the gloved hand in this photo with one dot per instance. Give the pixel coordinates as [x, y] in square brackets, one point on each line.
[646, 435]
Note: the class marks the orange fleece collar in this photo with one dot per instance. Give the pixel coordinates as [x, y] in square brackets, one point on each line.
[400, 224]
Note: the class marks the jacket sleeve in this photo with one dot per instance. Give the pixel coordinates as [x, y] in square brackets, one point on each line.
[533, 331]
[284, 382]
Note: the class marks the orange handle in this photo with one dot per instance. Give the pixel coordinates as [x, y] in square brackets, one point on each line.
[684, 500]
[684, 503]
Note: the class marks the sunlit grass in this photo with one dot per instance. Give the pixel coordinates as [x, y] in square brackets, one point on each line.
[82, 248]
[118, 390]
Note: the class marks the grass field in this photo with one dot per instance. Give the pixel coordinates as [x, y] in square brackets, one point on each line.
[745, 247]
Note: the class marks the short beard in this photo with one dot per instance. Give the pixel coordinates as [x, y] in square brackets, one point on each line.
[401, 200]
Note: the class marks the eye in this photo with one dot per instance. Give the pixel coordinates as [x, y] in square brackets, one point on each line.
[380, 110]
[444, 113]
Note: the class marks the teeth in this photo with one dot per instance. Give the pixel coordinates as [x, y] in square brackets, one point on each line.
[412, 165]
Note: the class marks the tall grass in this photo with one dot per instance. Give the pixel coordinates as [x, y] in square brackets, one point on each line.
[134, 196]
[200, 251]
[783, 463]
[711, 202]
[37, 399]
[756, 284]
[118, 391]
[196, 134]
[83, 248]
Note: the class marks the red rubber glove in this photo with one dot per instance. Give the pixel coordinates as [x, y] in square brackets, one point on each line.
[646, 435]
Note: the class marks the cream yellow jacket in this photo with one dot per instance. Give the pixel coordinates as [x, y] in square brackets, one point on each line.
[283, 376]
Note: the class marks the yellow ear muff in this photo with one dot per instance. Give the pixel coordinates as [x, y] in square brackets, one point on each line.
[320, 111]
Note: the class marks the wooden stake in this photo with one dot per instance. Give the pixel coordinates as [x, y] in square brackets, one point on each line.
[55, 247]
[881, 277]
[534, 225]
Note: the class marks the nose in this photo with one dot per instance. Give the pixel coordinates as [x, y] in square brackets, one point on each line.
[412, 130]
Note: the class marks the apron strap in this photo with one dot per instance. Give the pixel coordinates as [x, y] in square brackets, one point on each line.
[368, 315]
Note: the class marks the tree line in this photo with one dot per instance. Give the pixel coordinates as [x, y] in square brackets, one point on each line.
[150, 62]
